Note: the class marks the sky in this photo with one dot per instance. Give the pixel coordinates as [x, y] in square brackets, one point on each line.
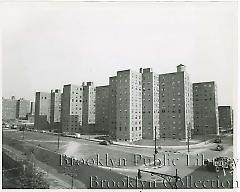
[46, 45]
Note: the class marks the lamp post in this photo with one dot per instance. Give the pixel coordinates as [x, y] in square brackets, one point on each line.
[23, 129]
[155, 145]
[188, 136]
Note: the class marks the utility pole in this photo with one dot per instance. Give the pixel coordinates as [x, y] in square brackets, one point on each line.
[188, 136]
[23, 132]
[58, 139]
[155, 145]
[72, 181]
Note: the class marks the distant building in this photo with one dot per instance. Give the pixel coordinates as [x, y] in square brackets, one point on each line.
[9, 108]
[32, 108]
[42, 111]
[89, 99]
[205, 108]
[150, 104]
[23, 108]
[175, 103]
[225, 117]
[30, 115]
[72, 108]
[129, 106]
[102, 109]
[112, 122]
[55, 109]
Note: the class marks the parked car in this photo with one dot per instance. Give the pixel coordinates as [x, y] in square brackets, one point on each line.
[77, 135]
[14, 127]
[22, 128]
[42, 131]
[63, 134]
[219, 148]
[217, 140]
[104, 142]
[219, 163]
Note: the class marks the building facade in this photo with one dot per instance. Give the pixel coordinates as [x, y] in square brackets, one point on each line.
[205, 108]
[9, 108]
[102, 109]
[55, 110]
[89, 101]
[72, 108]
[42, 111]
[176, 104]
[225, 118]
[32, 108]
[112, 122]
[23, 108]
[150, 104]
[129, 106]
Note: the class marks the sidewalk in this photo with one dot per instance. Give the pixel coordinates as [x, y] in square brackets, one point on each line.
[181, 147]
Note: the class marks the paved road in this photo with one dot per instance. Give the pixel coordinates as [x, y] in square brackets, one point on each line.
[87, 150]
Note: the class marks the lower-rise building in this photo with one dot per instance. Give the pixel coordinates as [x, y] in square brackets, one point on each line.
[225, 118]
[205, 108]
[9, 108]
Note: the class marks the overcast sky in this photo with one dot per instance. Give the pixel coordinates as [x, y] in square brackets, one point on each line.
[47, 45]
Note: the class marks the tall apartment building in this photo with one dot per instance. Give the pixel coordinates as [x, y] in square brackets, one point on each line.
[150, 104]
[72, 108]
[129, 106]
[55, 109]
[205, 108]
[176, 105]
[30, 115]
[23, 108]
[89, 100]
[225, 114]
[32, 108]
[102, 109]
[42, 110]
[112, 123]
[9, 108]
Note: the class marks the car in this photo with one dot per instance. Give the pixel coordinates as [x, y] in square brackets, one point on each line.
[63, 134]
[219, 148]
[22, 128]
[42, 131]
[219, 163]
[14, 127]
[109, 141]
[217, 140]
[77, 135]
[104, 142]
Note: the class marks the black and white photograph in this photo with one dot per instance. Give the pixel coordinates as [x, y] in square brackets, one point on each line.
[119, 94]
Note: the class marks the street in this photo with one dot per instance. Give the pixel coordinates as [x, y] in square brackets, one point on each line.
[127, 160]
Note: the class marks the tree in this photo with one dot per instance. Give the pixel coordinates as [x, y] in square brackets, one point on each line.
[31, 178]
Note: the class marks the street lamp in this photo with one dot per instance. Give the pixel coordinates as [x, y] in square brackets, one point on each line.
[188, 136]
[155, 145]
